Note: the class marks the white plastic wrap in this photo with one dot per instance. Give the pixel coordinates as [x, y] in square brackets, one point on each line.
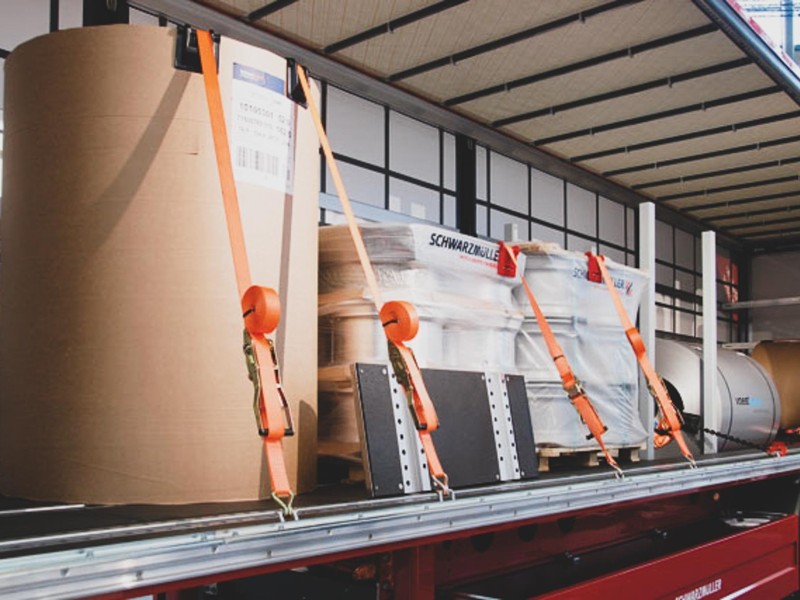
[586, 325]
[558, 279]
[468, 317]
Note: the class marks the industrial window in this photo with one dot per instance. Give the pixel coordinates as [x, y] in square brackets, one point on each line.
[542, 207]
[70, 14]
[679, 293]
[388, 160]
[21, 20]
[138, 17]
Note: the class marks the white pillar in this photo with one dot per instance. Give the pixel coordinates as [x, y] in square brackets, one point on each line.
[510, 232]
[647, 313]
[710, 416]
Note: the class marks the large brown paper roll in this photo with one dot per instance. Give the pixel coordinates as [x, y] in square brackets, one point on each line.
[122, 378]
[782, 361]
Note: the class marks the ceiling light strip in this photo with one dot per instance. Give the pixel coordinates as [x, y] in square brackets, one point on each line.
[583, 64]
[268, 9]
[729, 188]
[508, 40]
[780, 162]
[391, 26]
[667, 82]
[703, 156]
[788, 209]
[665, 114]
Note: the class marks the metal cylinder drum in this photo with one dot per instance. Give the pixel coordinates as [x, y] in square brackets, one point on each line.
[748, 406]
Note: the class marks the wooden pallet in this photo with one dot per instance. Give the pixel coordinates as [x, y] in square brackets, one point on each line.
[584, 457]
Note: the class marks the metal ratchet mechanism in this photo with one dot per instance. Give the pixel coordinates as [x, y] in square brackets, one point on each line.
[670, 421]
[254, 375]
[400, 323]
[401, 374]
[273, 417]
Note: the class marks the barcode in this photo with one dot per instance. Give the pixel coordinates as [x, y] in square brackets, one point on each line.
[256, 160]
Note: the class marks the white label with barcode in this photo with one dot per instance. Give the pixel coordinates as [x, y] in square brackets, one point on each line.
[261, 129]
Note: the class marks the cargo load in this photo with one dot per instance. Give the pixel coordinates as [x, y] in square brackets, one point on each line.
[585, 323]
[468, 317]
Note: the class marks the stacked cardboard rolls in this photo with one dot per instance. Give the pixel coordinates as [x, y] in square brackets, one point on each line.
[122, 378]
[782, 360]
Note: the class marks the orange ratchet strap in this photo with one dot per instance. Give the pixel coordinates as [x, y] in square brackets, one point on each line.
[261, 309]
[571, 384]
[400, 319]
[669, 424]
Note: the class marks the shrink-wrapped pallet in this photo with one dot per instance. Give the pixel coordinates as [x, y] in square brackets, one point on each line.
[122, 377]
[586, 325]
[468, 317]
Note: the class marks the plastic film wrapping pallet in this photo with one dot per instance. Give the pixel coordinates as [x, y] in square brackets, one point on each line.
[585, 323]
[468, 326]
[468, 316]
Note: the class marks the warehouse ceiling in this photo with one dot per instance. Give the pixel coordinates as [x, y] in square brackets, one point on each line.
[659, 96]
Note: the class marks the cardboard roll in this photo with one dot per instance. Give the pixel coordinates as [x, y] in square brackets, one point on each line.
[782, 361]
[122, 378]
[747, 400]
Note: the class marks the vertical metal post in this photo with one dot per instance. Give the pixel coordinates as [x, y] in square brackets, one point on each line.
[710, 409]
[510, 232]
[54, 12]
[105, 12]
[745, 263]
[466, 193]
[647, 313]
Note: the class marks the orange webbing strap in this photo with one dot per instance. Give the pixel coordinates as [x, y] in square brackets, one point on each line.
[260, 305]
[400, 320]
[670, 421]
[569, 381]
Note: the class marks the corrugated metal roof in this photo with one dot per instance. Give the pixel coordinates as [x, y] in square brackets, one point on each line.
[667, 98]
